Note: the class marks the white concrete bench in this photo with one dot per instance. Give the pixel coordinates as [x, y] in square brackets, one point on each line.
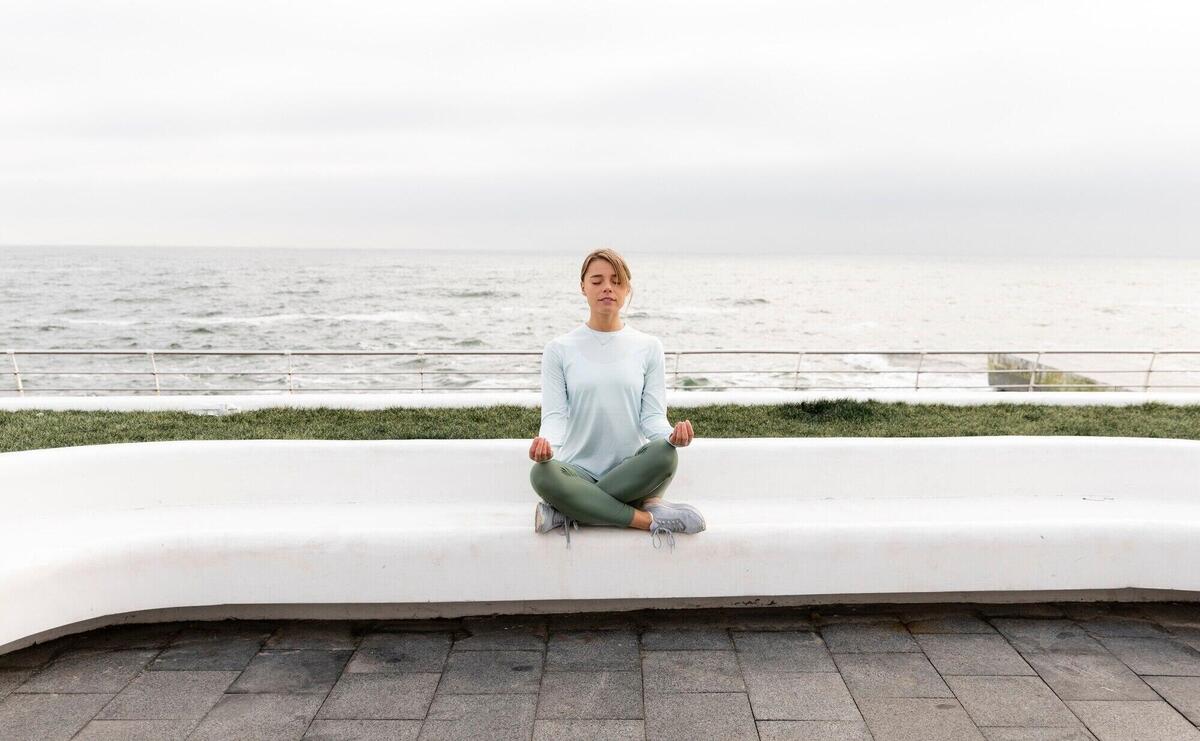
[97, 531]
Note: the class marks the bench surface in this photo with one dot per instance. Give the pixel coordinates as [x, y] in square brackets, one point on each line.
[103, 530]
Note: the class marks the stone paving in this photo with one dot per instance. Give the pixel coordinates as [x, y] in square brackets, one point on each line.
[1050, 671]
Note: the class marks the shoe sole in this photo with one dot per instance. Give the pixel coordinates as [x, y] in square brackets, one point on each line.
[541, 515]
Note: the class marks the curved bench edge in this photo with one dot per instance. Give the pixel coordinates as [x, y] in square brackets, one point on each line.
[434, 610]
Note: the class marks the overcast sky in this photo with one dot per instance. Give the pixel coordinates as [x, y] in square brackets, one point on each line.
[956, 127]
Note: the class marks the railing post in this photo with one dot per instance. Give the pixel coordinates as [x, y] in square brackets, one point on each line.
[16, 372]
[675, 383]
[1037, 362]
[154, 369]
[917, 379]
[1146, 380]
[290, 387]
[796, 380]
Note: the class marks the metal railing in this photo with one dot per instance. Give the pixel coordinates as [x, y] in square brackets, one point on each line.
[1003, 370]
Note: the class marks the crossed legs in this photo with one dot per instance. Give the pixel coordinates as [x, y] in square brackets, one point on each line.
[616, 497]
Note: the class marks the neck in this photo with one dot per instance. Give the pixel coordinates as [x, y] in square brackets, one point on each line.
[606, 324]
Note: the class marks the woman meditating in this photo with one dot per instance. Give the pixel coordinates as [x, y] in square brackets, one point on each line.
[603, 392]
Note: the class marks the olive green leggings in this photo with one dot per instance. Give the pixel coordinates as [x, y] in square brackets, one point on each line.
[607, 500]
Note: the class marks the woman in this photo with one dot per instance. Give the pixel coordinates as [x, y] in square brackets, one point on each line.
[603, 391]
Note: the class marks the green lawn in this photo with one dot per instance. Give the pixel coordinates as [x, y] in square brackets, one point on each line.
[27, 430]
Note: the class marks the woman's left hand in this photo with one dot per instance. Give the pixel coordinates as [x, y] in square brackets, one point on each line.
[682, 435]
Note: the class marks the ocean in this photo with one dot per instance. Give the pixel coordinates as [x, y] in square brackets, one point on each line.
[143, 299]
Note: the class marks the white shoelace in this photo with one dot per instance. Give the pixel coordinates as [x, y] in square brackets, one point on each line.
[656, 531]
[566, 526]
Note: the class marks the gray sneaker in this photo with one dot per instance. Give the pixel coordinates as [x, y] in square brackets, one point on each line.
[669, 518]
[546, 518]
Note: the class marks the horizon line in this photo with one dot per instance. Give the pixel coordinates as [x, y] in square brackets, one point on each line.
[741, 252]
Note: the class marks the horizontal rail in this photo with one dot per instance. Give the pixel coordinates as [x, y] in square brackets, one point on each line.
[924, 372]
[1004, 369]
[718, 351]
[378, 389]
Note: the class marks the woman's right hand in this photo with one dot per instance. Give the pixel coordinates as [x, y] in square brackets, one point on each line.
[540, 450]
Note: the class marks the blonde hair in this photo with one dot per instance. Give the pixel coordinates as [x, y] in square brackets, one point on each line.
[618, 262]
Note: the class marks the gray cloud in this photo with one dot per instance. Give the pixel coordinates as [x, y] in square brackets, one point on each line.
[959, 127]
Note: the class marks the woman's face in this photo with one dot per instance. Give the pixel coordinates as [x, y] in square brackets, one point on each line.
[605, 291]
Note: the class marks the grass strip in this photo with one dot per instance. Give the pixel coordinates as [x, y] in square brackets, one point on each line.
[28, 430]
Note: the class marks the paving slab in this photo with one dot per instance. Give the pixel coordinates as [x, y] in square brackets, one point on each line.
[400, 652]
[612, 650]
[782, 651]
[168, 696]
[694, 715]
[403, 696]
[292, 670]
[972, 653]
[11, 679]
[502, 634]
[800, 696]
[501, 642]
[1183, 693]
[1186, 634]
[363, 730]
[813, 730]
[1089, 676]
[1037, 734]
[692, 619]
[1128, 719]
[96, 671]
[667, 639]
[891, 675]
[953, 623]
[137, 730]
[918, 719]
[868, 637]
[240, 717]
[47, 716]
[591, 695]
[35, 656]
[492, 672]
[589, 730]
[449, 626]
[1126, 627]
[748, 619]
[330, 635]
[1158, 656]
[692, 671]
[480, 717]
[1170, 614]
[707, 678]
[588, 621]
[1037, 636]
[201, 651]
[1011, 701]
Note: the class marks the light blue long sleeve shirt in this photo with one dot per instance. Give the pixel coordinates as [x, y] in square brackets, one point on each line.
[603, 396]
